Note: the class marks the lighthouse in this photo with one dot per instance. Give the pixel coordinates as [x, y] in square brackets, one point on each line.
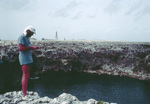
[56, 37]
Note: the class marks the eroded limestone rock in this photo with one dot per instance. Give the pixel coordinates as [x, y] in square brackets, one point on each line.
[33, 98]
[101, 57]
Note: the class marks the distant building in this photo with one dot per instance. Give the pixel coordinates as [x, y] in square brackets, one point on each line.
[33, 39]
[43, 38]
[56, 37]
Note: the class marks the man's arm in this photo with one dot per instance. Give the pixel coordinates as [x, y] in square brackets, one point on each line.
[22, 48]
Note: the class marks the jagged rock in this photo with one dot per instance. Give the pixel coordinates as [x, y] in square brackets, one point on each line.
[64, 98]
[147, 60]
[101, 57]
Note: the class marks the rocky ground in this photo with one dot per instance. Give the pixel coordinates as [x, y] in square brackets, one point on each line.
[130, 59]
[34, 98]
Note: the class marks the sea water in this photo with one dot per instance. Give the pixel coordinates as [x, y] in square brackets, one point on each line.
[121, 90]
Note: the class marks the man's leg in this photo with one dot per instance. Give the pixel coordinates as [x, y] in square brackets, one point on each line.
[25, 77]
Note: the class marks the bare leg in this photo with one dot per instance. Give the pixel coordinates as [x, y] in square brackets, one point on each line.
[25, 77]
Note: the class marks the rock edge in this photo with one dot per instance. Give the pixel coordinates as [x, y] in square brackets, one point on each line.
[15, 97]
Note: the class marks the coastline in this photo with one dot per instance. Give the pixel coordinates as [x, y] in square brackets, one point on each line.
[130, 59]
[136, 75]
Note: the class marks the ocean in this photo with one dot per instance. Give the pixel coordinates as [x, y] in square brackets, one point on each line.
[118, 89]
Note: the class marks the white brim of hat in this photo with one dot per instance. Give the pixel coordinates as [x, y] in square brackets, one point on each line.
[29, 28]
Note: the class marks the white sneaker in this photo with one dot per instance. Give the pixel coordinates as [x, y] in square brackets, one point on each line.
[27, 97]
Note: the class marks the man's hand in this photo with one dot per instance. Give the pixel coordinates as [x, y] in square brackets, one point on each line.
[34, 47]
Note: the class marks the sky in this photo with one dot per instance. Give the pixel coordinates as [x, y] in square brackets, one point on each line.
[116, 20]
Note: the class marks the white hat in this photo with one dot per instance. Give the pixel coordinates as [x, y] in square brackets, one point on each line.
[31, 28]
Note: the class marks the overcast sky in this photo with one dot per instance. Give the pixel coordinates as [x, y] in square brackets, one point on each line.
[124, 20]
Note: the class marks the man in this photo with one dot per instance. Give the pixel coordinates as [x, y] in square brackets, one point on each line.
[25, 56]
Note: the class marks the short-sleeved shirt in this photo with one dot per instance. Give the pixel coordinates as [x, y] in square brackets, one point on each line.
[25, 57]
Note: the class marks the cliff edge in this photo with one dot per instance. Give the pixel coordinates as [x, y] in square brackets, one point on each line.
[130, 59]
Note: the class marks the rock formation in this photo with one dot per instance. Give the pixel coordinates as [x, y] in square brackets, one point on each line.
[34, 98]
[101, 57]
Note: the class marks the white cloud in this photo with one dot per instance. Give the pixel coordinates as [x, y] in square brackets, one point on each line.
[139, 9]
[77, 19]
[113, 7]
[14, 4]
[67, 10]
